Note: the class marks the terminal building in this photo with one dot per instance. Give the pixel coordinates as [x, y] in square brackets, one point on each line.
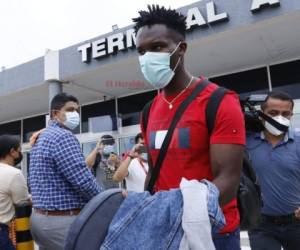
[249, 46]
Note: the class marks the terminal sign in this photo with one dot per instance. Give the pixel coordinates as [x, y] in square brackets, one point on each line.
[125, 40]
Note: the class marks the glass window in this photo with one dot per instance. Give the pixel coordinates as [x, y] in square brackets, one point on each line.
[99, 117]
[33, 124]
[246, 82]
[286, 77]
[88, 147]
[129, 107]
[126, 145]
[296, 121]
[13, 128]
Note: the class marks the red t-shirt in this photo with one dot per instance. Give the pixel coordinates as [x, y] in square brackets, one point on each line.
[188, 153]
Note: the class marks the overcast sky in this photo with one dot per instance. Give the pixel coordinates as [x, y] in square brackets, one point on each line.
[29, 27]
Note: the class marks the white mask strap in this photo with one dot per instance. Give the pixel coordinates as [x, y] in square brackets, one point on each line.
[175, 48]
[179, 57]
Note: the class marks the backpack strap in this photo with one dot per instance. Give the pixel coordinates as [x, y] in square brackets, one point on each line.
[212, 107]
[145, 117]
[145, 114]
[164, 148]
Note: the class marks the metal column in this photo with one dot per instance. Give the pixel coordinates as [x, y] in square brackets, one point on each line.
[55, 87]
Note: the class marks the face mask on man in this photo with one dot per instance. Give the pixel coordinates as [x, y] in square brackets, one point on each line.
[19, 159]
[107, 150]
[156, 67]
[278, 131]
[72, 120]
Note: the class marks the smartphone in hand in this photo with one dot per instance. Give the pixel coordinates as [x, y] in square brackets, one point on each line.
[141, 149]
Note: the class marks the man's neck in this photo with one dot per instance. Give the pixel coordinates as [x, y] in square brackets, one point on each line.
[178, 83]
[274, 140]
[7, 161]
[61, 124]
[55, 120]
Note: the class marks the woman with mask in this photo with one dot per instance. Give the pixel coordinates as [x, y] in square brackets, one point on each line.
[104, 162]
[13, 189]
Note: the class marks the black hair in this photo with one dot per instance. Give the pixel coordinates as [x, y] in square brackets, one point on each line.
[137, 137]
[60, 100]
[280, 95]
[7, 143]
[160, 15]
[107, 140]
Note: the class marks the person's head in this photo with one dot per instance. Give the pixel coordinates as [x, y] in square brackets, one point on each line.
[160, 38]
[64, 109]
[107, 140]
[139, 139]
[279, 106]
[107, 144]
[278, 103]
[10, 149]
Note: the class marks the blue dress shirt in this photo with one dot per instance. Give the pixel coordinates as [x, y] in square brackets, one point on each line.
[278, 170]
[58, 176]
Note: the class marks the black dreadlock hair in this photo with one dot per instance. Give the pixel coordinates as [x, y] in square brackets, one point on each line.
[160, 15]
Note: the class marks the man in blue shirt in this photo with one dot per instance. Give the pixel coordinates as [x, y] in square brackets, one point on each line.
[61, 183]
[275, 155]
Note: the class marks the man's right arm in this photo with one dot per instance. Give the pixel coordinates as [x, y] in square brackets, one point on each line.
[227, 147]
[91, 158]
[148, 176]
[71, 164]
[123, 169]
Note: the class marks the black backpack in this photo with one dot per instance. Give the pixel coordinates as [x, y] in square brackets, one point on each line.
[249, 193]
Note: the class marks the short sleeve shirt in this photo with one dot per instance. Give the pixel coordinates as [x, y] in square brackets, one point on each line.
[137, 172]
[188, 153]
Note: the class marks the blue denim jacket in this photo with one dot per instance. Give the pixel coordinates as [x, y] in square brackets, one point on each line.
[147, 221]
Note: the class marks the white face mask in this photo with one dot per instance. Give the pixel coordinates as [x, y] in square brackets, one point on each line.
[280, 119]
[108, 149]
[72, 120]
[156, 67]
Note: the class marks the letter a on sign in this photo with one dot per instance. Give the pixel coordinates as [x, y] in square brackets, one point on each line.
[194, 17]
[257, 4]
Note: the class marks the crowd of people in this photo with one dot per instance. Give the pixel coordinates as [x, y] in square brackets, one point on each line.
[62, 181]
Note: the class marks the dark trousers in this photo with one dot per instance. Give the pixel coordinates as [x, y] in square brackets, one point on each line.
[228, 241]
[271, 236]
[5, 242]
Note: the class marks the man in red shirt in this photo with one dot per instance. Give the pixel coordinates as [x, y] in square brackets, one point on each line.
[192, 153]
